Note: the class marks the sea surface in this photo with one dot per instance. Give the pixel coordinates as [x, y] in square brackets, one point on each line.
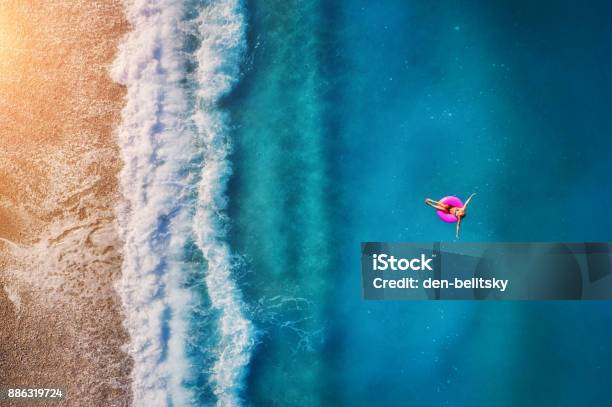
[264, 140]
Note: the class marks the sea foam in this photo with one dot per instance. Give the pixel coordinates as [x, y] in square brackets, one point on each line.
[161, 136]
[221, 28]
[157, 145]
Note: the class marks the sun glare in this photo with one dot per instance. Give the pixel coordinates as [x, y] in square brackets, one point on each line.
[11, 45]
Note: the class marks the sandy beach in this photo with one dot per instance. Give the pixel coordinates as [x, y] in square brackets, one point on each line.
[59, 249]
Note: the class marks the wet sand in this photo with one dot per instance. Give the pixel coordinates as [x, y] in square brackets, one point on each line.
[59, 248]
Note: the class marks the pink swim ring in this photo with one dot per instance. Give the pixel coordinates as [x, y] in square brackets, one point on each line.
[452, 201]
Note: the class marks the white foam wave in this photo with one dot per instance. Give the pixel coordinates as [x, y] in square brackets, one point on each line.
[157, 143]
[221, 26]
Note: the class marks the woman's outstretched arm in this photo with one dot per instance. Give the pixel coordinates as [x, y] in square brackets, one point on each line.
[469, 199]
[458, 225]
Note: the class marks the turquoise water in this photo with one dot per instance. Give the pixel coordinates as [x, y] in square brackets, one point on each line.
[347, 116]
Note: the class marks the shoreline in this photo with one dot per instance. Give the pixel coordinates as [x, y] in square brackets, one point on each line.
[60, 253]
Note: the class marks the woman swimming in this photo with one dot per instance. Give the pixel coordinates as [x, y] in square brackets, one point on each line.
[450, 209]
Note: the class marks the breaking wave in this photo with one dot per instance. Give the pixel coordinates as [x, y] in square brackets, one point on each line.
[174, 146]
[221, 29]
